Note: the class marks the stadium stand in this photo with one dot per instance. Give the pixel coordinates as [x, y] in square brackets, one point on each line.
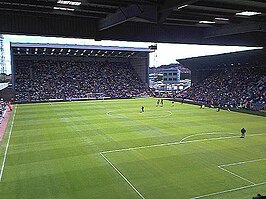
[43, 80]
[231, 88]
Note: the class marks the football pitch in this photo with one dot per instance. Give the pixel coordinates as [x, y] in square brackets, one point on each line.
[109, 149]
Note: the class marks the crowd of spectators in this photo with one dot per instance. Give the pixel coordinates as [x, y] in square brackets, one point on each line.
[231, 88]
[44, 80]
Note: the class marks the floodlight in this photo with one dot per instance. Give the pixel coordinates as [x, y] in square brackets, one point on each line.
[207, 22]
[62, 8]
[180, 7]
[248, 13]
[72, 3]
[221, 19]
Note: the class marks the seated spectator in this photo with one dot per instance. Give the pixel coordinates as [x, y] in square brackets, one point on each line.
[232, 87]
[43, 80]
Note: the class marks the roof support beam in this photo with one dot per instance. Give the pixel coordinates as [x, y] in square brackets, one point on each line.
[235, 29]
[124, 14]
[169, 5]
[243, 3]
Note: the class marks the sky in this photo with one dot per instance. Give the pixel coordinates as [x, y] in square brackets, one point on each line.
[166, 53]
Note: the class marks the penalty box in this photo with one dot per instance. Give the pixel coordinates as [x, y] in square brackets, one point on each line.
[161, 172]
[252, 170]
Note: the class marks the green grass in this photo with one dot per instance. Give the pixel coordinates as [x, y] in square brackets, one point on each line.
[55, 151]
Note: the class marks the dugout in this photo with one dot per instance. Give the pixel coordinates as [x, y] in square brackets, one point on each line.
[138, 58]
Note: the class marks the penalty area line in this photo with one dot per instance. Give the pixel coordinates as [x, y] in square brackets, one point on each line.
[5, 155]
[177, 143]
[129, 183]
[244, 162]
[229, 190]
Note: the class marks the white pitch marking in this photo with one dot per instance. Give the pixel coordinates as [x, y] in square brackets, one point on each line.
[236, 175]
[10, 132]
[123, 176]
[211, 133]
[160, 116]
[229, 190]
[141, 147]
[116, 115]
[122, 116]
[244, 162]
[175, 143]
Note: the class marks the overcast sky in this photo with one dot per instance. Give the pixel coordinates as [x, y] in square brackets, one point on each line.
[165, 54]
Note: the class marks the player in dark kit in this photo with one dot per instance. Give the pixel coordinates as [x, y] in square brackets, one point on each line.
[243, 133]
[161, 102]
[158, 102]
[142, 109]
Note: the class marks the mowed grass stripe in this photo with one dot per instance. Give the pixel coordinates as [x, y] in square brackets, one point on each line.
[55, 150]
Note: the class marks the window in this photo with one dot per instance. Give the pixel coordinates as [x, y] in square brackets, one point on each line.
[165, 79]
[165, 74]
[170, 73]
[174, 79]
[170, 79]
[174, 73]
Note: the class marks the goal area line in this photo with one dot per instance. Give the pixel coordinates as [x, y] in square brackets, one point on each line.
[182, 141]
